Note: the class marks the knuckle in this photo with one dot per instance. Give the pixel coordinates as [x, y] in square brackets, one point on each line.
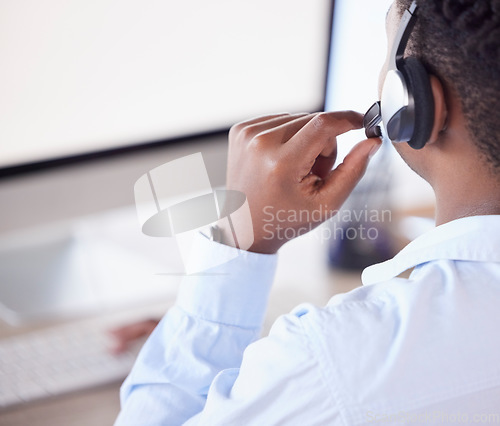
[240, 133]
[322, 120]
[257, 142]
[350, 114]
[247, 133]
[234, 130]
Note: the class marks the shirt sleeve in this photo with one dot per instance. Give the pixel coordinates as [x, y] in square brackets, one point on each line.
[203, 365]
[218, 313]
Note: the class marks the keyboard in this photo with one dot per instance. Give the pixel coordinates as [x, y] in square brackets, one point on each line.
[59, 360]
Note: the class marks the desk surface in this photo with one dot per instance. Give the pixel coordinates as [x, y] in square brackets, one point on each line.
[97, 407]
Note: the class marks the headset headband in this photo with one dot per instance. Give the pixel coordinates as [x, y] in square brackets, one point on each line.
[373, 117]
[401, 40]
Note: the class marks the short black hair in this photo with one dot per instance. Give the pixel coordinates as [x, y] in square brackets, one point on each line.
[459, 42]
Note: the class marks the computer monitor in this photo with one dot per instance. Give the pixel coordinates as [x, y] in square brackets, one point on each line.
[86, 78]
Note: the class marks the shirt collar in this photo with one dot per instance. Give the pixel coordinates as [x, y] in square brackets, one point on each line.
[475, 238]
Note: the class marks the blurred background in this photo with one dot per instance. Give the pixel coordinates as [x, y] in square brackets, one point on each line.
[93, 94]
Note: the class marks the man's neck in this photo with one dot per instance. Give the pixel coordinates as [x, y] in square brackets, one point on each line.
[467, 198]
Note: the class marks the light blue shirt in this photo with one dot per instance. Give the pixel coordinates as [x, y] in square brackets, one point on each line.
[423, 350]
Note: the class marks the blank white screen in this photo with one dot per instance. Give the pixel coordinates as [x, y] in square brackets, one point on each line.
[80, 76]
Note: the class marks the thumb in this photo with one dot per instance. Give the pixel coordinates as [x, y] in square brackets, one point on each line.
[342, 180]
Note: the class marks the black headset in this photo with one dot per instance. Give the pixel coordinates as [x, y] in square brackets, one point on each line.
[406, 108]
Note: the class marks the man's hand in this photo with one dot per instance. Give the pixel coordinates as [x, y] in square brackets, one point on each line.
[130, 334]
[283, 162]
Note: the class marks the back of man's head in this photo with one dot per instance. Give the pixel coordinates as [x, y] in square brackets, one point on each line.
[459, 42]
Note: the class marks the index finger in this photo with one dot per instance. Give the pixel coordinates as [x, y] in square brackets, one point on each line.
[320, 135]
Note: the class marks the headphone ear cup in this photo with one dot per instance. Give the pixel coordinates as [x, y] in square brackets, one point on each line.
[419, 86]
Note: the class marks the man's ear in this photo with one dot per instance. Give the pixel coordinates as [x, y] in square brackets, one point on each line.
[440, 109]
